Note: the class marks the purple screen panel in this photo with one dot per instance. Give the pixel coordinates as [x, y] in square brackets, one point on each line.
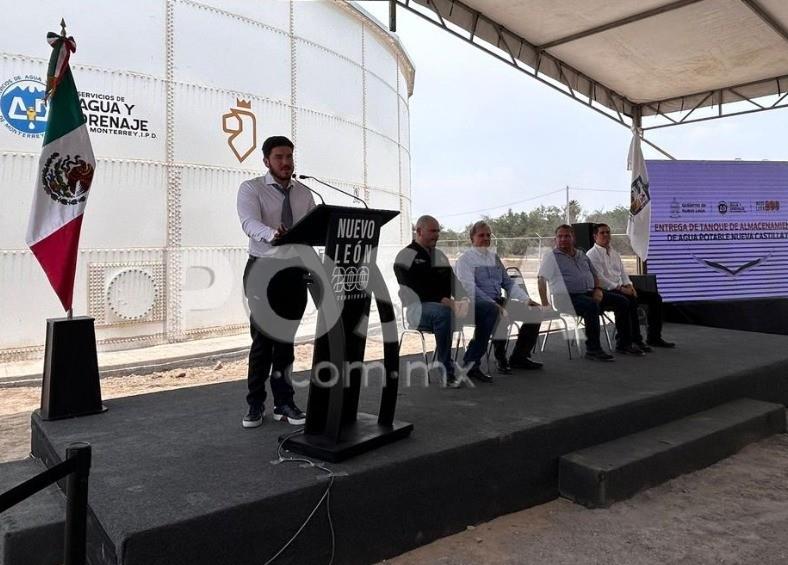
[719, 229]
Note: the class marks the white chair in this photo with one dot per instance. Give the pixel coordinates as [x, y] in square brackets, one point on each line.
[406, 329]
[578, 323]
[549, 316]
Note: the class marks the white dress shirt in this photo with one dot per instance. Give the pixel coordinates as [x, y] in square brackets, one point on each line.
[609, 267]
[260, 210]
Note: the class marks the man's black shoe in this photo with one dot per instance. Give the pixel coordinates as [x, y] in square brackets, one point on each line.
[478, 375]
[630, 350]
[661, 343]
[599, 356]
[503, 366]
[289, 413]
[643, 347]
[254, 417]
[453, 382]
[516, 362]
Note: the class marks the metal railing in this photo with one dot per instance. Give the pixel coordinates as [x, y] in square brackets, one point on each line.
[76, 470]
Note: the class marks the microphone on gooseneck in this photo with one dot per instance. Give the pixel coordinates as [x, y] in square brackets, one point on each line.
[353, 196]
[310, 190]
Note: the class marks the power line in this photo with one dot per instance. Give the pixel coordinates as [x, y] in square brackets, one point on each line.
[597, 189]
[503, 205]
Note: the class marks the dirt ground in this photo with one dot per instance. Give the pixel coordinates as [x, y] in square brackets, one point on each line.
[734, 512]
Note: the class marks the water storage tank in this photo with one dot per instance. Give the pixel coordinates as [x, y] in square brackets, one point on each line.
[179, 96]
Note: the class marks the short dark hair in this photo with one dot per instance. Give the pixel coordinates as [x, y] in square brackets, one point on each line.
[276, 141]
[564, 227]
[598, 226]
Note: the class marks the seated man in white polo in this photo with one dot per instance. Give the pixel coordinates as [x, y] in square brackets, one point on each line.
[484, 277]
[612, 277]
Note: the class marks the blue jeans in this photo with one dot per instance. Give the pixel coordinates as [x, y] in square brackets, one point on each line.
[438, 319]
[485, 317]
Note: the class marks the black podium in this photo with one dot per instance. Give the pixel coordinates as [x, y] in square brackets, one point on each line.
[343, 283]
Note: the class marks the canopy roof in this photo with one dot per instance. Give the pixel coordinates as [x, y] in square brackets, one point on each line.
[630, 57]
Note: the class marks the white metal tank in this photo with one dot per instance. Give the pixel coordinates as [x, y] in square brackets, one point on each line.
[179, 96]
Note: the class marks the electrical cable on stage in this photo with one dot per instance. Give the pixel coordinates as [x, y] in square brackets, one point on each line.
[326, 496]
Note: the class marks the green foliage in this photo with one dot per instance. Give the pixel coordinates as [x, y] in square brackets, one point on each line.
[539, 222]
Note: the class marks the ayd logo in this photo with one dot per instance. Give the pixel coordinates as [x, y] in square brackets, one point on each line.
[22, 107]
[241, 124]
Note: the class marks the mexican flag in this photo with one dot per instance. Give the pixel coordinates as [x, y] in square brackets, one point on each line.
[65, 172]
[639, 224]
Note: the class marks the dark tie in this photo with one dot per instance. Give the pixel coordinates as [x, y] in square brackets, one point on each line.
[287, 210]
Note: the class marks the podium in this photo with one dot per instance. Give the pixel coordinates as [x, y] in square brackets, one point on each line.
[343, 284]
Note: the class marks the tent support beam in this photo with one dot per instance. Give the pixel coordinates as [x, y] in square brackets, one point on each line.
[439, 21]
[617, 107]
[766, 17]
[618, 23]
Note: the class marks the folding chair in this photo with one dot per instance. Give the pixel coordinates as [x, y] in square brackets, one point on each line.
[416, 331]
[578, 323]
[408, 330]
[547, 316]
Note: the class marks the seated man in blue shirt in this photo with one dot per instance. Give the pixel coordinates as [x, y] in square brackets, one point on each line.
[428, 289]
[483, 275]
[569, 271]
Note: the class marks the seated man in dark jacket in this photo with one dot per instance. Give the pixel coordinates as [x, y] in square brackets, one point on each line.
[427, 290]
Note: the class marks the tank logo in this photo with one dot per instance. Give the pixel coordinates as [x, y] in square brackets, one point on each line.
[241, 125]
[66, 179]
[22, 107]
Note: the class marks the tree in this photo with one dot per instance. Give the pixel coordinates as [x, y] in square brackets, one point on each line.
[617, 219]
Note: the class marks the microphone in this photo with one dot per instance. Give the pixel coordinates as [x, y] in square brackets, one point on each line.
[312, 191]
[353, 196]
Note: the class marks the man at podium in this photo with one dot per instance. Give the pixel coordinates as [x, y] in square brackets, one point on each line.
[275, 286]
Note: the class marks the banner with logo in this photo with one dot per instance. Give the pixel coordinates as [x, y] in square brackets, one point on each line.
[719, 229]
[639, 223]
[65, 173]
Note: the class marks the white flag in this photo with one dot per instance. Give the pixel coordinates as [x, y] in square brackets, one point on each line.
[639, 225]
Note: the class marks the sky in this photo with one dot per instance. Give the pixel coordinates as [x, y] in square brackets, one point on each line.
[484, 135]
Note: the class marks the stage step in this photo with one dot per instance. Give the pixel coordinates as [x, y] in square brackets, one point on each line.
[600, 475]
[31, 533]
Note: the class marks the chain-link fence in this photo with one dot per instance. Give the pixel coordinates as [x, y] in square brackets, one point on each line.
[526, 253]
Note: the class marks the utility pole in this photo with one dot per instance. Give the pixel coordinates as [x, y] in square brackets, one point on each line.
[566, 210]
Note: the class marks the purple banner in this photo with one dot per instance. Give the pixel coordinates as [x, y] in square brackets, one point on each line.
[719, 229]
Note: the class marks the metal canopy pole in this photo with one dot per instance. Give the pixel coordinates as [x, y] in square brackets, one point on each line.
[393, 16]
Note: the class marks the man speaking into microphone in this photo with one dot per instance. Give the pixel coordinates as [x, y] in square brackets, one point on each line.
[275, 286]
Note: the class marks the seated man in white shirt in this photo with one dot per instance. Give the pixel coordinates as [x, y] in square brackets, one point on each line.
[613, 278]
[484, 277]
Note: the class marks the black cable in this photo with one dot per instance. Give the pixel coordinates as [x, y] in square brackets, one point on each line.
[325, 496]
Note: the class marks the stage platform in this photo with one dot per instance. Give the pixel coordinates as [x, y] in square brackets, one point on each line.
[175, 478]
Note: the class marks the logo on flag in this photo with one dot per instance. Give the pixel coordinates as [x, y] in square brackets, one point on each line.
[66, 179]
[639, 224]
[640, 196]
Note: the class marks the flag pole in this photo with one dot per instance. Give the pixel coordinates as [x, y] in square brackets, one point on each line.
[70, 311]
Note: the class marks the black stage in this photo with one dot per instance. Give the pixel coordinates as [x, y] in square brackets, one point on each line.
[175, 478]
